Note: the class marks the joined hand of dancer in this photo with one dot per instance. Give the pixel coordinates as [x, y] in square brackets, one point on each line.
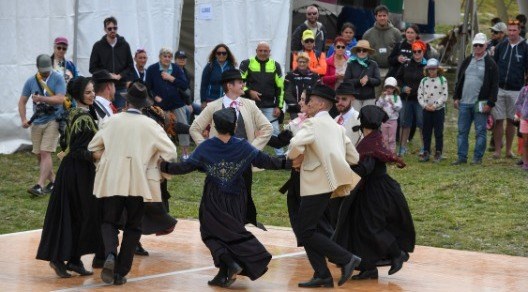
[296, 163]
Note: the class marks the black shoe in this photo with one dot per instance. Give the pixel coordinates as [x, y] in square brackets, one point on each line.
[119, 280]
[459, 162]
[318, 282]
[397, 263]
[49, 188]
[367, 274]
[232, 271]
[78, 268]
[60, 269]
[140, 250]
[520, 162]
[36, 191]
[476, 162]
[97, 263]
[107, 274]
[348, 269]
[219, 280]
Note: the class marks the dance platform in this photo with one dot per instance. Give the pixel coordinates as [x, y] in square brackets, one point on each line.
[181, 262]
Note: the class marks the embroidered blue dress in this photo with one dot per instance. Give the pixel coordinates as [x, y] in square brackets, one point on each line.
[224, 201]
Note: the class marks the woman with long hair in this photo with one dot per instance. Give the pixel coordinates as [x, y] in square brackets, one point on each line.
[220, 59]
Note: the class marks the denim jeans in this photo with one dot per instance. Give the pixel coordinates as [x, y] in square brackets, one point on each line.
[433, 121]
[467, 115]
[268, 113]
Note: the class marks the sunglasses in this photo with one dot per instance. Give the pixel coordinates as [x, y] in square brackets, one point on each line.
[309, 41]
[62, 48]
[112, 28]
[340, 47]
[221, 53]
[311, 13]
[495, 32]
[478, 45]
[301, 62]
[362, 50]
[513, 22]
[417, 52]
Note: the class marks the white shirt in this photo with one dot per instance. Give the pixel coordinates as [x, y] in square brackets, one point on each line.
[105, 105]
[352, 113]
[227, 102]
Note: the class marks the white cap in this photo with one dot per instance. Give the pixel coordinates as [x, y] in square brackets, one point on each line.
[391, 81]
[500, 27]
[432, 63]
[480, 38]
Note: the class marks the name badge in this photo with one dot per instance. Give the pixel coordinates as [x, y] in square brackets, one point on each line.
[382, 50]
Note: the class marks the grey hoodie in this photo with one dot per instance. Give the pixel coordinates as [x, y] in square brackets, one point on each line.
[382, 39]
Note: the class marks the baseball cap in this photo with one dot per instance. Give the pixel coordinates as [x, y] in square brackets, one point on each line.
[500, 27]
[432, 63]
[44, 63]
[308, 35]
[180, 55]
[479, 38]
[61, 40]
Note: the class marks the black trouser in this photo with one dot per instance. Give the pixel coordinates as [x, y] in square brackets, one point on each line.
[318, 246]
[112, 209]
[433, 121]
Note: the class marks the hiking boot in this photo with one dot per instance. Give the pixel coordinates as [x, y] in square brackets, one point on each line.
[49, 188]
[459, 162]
[402, 151]
[36, 191]
[424, 157]
[476, 162]
[437, 156]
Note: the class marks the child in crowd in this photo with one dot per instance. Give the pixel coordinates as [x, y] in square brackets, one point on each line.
[521, 112]
[391, 103]
[432, 96]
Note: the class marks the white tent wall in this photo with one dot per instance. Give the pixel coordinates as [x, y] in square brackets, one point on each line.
[241, 25]
[30, 26]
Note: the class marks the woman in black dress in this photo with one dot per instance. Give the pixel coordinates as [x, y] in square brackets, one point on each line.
[223, 208]
[71, 226]
[375, 223]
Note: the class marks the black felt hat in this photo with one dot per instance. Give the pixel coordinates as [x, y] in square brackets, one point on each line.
[371, 117]
[324, 92]
[103, 76]
[225, 120]
[137, 95]
[231, 74]
[347, 88]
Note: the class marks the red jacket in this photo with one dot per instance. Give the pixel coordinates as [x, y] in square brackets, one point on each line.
[330, 78]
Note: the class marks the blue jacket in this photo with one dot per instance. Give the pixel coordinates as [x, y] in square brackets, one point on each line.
[211, 86]
[168, 91]
[512, 63]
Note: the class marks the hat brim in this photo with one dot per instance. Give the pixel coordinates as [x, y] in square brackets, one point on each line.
[138, 103]
[370, 50]
[231, 79]
[45, 69]
[332, 99]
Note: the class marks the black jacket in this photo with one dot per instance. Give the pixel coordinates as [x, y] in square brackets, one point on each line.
[354, 72]
[490, 86]
[410, 75]
[512, 64]
[295, 83]
[320, 38]
[405, 49]
[117, 59]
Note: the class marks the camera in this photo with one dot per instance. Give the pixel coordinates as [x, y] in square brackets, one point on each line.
[42, 109]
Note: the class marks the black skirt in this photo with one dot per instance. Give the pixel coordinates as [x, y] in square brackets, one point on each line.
[72, 225]
[222, 227]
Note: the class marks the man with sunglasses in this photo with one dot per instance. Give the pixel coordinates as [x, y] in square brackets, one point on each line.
[112, 52]
[474, 97]
[511, 56]
[62, 66]
[498, 33]
[311, 23]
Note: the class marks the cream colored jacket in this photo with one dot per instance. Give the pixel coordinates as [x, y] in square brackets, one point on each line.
[132, 145]
[328, 154]
[254, 120]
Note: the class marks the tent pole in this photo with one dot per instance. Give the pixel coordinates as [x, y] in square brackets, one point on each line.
[75, 29]
[463, 35]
